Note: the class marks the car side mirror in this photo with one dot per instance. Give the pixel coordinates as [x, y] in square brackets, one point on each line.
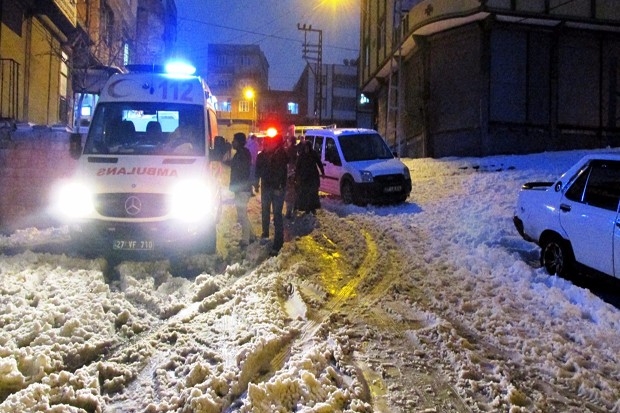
[75, 145]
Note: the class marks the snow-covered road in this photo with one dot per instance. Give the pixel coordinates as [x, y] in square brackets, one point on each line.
[433, 306]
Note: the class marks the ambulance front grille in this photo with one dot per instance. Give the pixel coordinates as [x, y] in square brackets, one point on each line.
[131, 205]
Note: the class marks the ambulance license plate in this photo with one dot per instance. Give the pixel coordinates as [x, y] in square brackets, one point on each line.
[133, 245]
[395, 188]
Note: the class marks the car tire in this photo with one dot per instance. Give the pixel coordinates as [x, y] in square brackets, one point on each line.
[556, 256]
[346, 192]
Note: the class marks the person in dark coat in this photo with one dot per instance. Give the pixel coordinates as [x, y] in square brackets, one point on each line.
[241, 185]
[290, 198]
[308, 171]
[271, 170]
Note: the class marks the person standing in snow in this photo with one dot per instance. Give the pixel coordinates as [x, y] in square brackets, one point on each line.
[241, 185]
[254, 147]
[290, 196]
[271, 170]
[308, 171]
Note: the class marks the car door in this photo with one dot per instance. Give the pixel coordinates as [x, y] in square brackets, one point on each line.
[589, 212]
[332, 162]
[318, 147]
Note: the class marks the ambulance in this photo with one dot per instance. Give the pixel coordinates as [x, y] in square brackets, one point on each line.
[144, 183]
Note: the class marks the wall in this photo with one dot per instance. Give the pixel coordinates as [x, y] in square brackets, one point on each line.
[36, 50]
[30, 163]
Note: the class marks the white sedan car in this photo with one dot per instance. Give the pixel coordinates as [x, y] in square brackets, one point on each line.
[575, 220]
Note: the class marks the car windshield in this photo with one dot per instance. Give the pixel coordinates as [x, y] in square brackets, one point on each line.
[139, 128]
[364, 147]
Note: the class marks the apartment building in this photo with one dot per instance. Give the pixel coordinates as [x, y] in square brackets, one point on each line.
[56, 52]
[474, 78]
[336, 100]
[238, 76]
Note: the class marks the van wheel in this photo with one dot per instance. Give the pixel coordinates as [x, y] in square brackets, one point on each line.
[346, 192]
[556, 256]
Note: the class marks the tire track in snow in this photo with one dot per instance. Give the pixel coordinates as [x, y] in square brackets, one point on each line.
[355, 280]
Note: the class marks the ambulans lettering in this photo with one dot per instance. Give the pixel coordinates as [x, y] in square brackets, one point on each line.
[115, 171]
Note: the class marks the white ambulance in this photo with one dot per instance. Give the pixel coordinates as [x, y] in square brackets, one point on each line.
[144, 183]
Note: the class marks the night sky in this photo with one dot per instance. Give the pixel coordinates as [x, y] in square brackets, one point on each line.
[271, 24]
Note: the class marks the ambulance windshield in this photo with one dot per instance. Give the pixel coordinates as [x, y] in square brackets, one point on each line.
[139, 128]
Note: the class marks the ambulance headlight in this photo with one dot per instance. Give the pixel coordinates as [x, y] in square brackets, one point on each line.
[366, 176]
[192, 200]
[73, 200]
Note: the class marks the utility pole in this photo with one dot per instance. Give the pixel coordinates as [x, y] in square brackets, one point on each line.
[313, 55]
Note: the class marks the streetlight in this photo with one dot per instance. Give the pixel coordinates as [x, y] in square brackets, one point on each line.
[250, 95]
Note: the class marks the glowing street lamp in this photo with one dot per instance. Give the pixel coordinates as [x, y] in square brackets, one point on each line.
[251, 95]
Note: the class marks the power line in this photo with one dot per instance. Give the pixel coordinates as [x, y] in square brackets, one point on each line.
[271, 36]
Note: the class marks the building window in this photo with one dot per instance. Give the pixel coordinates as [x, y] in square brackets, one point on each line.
[125, 53]
[107, 25]
[224, 83]
[63, 108]
[244, 106]
[293, 108]
[343, 103]
[12, 15]
[64, 74]
[226, 106]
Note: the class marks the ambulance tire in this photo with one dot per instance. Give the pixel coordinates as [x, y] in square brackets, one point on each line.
[210, 244]
[206, 243]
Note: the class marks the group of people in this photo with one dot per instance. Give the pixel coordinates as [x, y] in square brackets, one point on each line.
[286, 172]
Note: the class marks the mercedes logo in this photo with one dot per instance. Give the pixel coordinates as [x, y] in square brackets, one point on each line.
[133, 205]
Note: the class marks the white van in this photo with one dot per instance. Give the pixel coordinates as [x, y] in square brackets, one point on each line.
[359, 166]
[144, 183]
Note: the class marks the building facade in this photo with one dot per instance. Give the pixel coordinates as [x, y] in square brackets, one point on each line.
[338, 96]
[238, 75]
[56, 53]
[35, 55]
[279, 109]
[156, 31]
[474, 78]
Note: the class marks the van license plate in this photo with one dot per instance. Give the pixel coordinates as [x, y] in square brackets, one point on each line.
[133, 245]
[395, 188]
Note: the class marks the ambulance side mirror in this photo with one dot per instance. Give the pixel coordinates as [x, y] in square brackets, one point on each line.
[75, 145]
